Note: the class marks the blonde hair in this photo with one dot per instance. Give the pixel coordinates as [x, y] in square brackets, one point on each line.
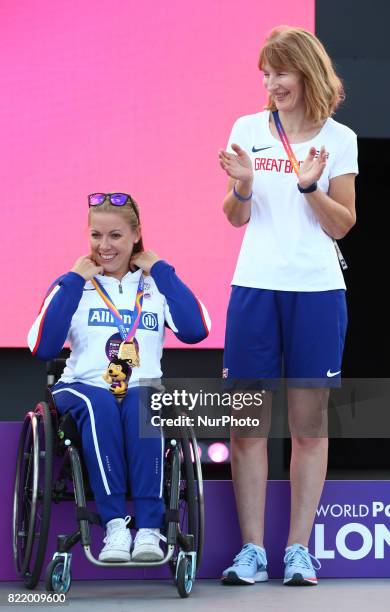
[297, 49]
[129, 212]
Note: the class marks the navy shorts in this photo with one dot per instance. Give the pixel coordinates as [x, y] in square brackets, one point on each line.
[298, 334]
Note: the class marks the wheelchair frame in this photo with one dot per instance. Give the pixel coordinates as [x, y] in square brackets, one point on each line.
[35, 490]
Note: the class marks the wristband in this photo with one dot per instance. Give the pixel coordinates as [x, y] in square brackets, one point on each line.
[240, 197]
[310, 189]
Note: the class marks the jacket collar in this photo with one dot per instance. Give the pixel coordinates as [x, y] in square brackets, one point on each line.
[128, 278]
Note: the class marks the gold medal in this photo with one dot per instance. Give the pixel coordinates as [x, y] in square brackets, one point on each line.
[126, 357]
[128, 352]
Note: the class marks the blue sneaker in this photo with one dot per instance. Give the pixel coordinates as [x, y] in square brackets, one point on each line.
[299, 570]
[249, 566]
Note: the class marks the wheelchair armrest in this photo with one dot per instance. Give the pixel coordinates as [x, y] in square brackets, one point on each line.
[54, 369]
[67, 429]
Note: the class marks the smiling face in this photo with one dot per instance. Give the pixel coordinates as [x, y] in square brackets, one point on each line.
[286, 88]
[112, 239]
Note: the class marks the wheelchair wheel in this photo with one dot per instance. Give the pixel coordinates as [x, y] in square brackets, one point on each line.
[58, 577]
[191, 503]
[32, 494]
[184, 580]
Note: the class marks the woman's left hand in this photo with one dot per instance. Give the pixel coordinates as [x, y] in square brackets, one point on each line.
[143, 260]
[313, 167]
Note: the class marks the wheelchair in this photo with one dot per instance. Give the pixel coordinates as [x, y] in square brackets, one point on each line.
[50, 469]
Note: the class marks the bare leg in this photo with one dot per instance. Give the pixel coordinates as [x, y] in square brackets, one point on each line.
[308, 426]
[249, 462]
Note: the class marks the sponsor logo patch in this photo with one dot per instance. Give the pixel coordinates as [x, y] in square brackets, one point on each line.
[149, 320]
[102, 317]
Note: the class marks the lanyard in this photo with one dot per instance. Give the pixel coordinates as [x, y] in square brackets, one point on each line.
[295, 164]
[127, 336]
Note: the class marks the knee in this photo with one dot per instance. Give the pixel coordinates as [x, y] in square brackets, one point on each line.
[307, 444]
[242, 446]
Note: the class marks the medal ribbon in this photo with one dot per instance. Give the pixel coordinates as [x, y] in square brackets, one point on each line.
[127, 336]
[285, 142]
[295, 164]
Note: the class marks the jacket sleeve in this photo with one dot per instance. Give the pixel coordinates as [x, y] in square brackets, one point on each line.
[50, 329]
[184, 313]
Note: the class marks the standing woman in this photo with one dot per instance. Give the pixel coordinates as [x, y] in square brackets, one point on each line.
[113, 307]
[291, 175]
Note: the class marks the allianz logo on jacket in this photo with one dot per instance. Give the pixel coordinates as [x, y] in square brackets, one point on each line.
[103, 317]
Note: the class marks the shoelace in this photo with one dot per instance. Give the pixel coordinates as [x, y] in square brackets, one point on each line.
[144, 535]
[301, 558]
[248, 555]
[116, 535]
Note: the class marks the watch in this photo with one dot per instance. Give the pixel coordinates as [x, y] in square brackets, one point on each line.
[310, 189]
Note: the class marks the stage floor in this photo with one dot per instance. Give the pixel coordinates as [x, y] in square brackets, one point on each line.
[346, 595]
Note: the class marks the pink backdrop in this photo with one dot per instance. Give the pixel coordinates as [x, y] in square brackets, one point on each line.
[120, 95]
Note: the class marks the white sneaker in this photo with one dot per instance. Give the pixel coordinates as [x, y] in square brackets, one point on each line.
[117, 541]
[146, 545]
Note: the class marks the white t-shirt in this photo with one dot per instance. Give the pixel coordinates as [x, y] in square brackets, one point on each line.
[284, 246]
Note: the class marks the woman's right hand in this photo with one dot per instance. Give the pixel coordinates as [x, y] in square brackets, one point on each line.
[238, 166]
[86, 267]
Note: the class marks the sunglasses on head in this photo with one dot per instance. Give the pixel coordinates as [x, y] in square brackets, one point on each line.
[116, 199]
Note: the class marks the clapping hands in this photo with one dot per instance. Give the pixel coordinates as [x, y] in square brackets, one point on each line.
[313, 167]
[237, 165]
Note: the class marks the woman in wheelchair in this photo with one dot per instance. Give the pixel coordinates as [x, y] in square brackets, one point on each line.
[112, 308]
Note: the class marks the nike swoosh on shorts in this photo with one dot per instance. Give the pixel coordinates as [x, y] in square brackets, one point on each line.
[330, 374]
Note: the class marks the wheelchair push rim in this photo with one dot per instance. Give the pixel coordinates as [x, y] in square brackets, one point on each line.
[32, 494]
[199, 496]
[194, 493]
[191, 503]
